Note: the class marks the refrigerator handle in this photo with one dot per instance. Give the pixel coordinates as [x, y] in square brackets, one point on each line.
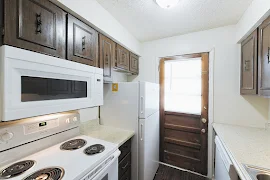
[141, 105]
[141, 132]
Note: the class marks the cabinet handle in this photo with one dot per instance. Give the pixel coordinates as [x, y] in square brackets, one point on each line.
[268, 55]
[246, 66]
[83, 43]
[124, 167]
[38, 23]
[106, 59]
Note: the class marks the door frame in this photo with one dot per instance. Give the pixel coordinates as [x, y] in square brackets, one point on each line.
[210, 145]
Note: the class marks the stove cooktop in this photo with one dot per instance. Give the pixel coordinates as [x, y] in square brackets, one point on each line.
[65, 161]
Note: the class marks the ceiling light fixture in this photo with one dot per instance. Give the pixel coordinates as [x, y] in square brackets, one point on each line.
[166, 4]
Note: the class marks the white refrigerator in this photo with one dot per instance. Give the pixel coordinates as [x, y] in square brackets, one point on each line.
[135, 106]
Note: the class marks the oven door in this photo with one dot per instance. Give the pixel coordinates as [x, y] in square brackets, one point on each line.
[36, 84]
[110, 172]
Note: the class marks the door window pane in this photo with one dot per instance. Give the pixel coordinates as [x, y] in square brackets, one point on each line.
[183, 86]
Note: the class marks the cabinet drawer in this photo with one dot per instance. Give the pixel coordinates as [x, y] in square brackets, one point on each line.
[35, 25]
[82, 42]
[125, 149]
[127, 175]
[124, 165]
[134, 63]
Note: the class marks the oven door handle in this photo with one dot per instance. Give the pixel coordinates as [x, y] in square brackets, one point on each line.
[97, 175]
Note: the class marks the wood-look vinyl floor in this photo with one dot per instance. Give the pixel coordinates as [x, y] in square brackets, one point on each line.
[169, 173]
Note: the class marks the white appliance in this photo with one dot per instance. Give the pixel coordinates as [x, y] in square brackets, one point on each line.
[224, 169]
[35, 84]
[50, 147]
[135, 106]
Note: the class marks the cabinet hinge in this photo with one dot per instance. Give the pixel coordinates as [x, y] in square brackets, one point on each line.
[3, 31]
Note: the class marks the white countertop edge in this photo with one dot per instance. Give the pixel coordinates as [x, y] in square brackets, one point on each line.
[242, 173]
[127, 138]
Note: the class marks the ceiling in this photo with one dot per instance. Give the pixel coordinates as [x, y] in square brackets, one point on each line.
[147, 21]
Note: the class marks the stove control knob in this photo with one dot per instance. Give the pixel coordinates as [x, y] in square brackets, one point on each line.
[7, 136]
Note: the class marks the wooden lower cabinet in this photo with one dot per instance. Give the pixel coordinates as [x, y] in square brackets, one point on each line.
[249, 66]
[264, 58]
[35, 25]
[124, 167]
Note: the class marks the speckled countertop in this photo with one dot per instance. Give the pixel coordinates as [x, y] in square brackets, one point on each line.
[245, 145]
[114, 135]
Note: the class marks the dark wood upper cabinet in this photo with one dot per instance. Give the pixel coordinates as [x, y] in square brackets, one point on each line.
[122, 58]
[36, 25]
[82, 42]
[134, 64]
[264, 58]
[106, 56]
[249, 61]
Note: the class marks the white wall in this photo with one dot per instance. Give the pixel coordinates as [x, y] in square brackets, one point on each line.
[102, 20]
[254, 15]
[229, 106]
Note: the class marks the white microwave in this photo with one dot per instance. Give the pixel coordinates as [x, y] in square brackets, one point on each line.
[34, 84]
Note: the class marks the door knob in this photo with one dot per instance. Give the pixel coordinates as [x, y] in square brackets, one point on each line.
[204, 120]
[203, 131]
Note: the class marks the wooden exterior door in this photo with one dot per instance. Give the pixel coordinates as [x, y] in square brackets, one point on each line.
[184, 137]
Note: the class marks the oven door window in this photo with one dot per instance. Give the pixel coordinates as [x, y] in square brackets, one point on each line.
[105, 177]
[40, 89]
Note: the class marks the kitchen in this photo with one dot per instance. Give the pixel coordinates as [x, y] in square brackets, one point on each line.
[90, 61]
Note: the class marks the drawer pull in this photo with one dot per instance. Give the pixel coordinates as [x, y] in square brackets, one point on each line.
[38, 23]
[124, 167]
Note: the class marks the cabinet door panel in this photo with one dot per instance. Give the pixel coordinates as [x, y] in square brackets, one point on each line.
[264, 59]
[106, 55]
[134, 63]
[35, 25]
[249, 64]
[82, 42]
[122, 58]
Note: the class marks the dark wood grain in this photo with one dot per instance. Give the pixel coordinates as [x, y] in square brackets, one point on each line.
[134, 63]
[249, 61]
[169, 173]
[121, 58]
[106, 56]
[22, 30]
[124, 167]
[263, 58]
[1, 21]
[184, 137]
[82, 42]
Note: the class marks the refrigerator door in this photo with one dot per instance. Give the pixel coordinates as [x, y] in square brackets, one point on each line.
[148, 147]
[149, 99]
[120, 110]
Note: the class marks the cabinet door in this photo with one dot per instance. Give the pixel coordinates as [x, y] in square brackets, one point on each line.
[35, 25]
[134, 63]
[82, 42]
[106, 56]
[122, 58]
[264, 59]
[249, 64]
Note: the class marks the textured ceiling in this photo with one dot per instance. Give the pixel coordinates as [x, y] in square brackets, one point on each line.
[147, 21]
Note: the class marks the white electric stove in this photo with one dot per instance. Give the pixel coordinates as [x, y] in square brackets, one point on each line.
[50, 147]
